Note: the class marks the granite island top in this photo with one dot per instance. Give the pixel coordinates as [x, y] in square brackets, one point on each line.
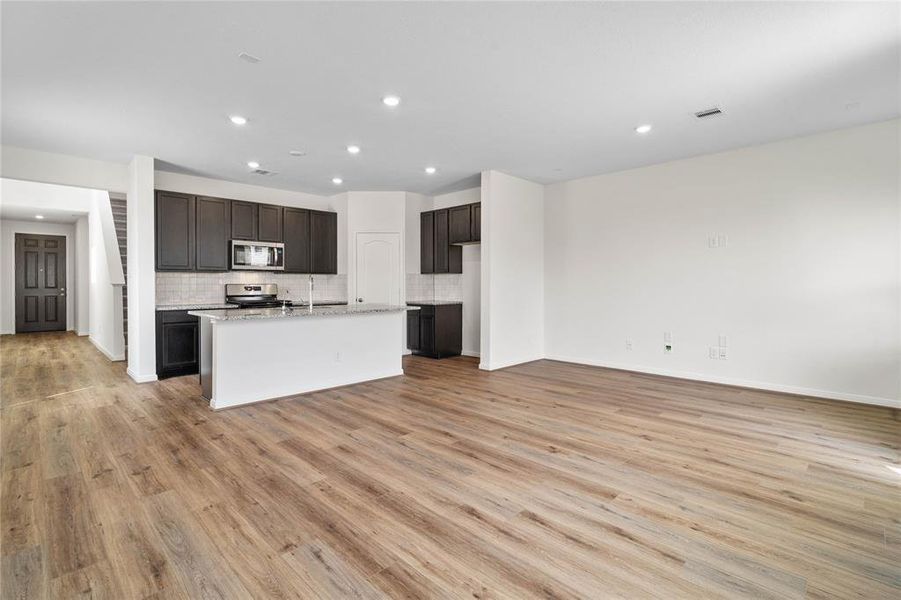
[244, 314]
[433, 302]
[221, 305]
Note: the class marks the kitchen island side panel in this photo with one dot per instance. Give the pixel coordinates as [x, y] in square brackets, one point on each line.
[263, 359]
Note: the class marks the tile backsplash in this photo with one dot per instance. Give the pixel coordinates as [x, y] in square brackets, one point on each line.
[197, 288]
[425, 288]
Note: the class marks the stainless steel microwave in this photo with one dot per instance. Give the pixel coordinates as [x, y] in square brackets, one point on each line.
[258, 256]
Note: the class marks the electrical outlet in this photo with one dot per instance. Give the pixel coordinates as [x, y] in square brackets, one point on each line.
[667, 348]
[723, 353]
[628, 344]
[723, 341]
[713, 352]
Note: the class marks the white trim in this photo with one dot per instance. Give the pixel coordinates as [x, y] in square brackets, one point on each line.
[489, 366]
[141, 378]
[105, 352]
[475, 353]
[758, 385]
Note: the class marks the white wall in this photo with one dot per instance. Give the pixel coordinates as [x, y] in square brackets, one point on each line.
[105, 303]
[807, 288]
[47, 167]
[8, 231]
[141, 270]
[512, 270]
[378, 212]
[82, 271]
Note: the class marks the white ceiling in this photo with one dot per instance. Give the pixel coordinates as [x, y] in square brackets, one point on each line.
[545, 91]
[25, 213]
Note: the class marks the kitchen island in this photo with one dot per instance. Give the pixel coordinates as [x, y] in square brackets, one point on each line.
[250, 355]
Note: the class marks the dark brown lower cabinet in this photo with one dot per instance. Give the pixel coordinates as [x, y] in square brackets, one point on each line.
[435, 330]
[177, 343]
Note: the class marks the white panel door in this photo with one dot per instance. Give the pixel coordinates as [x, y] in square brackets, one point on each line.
[378, 268]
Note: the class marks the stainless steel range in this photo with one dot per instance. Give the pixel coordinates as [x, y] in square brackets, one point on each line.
[254, 295]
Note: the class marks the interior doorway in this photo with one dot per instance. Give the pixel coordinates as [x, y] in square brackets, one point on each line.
[40, 282]
[377, 278]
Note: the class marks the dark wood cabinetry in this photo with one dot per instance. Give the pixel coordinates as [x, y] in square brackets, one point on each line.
[174, 216]
[269, 223]
[244, 220]
[435, 330]
[323, 242]
[441, 233]
[460, 224]
[297, 240]
[194, 233]
[427, 242]
[442, 245]
[177, 343]
[213, 216]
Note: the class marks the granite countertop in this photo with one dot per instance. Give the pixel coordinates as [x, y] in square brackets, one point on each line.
[433, 302]
[223, 305]
[243, 314]
[199, 306]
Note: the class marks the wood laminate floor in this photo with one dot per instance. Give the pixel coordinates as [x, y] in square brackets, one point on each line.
[547, 480]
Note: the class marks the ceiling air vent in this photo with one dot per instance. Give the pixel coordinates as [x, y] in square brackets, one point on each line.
[710, 112]
[263, 172]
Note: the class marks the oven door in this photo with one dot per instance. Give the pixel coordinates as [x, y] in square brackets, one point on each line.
[257, 256]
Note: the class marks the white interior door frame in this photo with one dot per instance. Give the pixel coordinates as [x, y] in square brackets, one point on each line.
[380, 250]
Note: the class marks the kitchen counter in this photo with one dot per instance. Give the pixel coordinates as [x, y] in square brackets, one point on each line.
[224, 305]
[255, 354]
[205, 306]
[433, 302]
[244, 314]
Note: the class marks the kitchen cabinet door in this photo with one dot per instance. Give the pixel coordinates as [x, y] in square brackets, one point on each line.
[476, 234]
[427, 242]
[213, 217]
[177, 343]
[244, 220]
[174, 229]
[460, 224]
[297, 240]
[413, 329]
[323, 242]
[442, 246]
[269, 223]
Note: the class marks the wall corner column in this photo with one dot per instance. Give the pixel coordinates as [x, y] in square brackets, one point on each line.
[141, 278]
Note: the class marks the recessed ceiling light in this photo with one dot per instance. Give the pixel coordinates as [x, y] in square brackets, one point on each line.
[249, 58]
[430, 170]
[238, 120]
[337, 180]
[353, 149]
[391, 101]
[253, 164]
[643, 128]
[297, 153]
[39, 216]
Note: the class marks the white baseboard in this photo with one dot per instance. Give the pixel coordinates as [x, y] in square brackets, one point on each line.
[141, 378]
[757, 385]
[113, 357]
[474, 353]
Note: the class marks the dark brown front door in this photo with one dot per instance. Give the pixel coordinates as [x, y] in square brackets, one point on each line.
[40, 283]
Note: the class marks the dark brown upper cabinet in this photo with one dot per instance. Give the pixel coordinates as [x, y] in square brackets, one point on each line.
[244, 220]
[323, 242]
[269, 223]
[442, 245]
[174, 220]
[465, 224]
[427, 242]
[297, 240]
[213, 233]
[460, 227]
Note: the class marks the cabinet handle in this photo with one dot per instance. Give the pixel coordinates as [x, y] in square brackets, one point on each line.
[359, 299]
